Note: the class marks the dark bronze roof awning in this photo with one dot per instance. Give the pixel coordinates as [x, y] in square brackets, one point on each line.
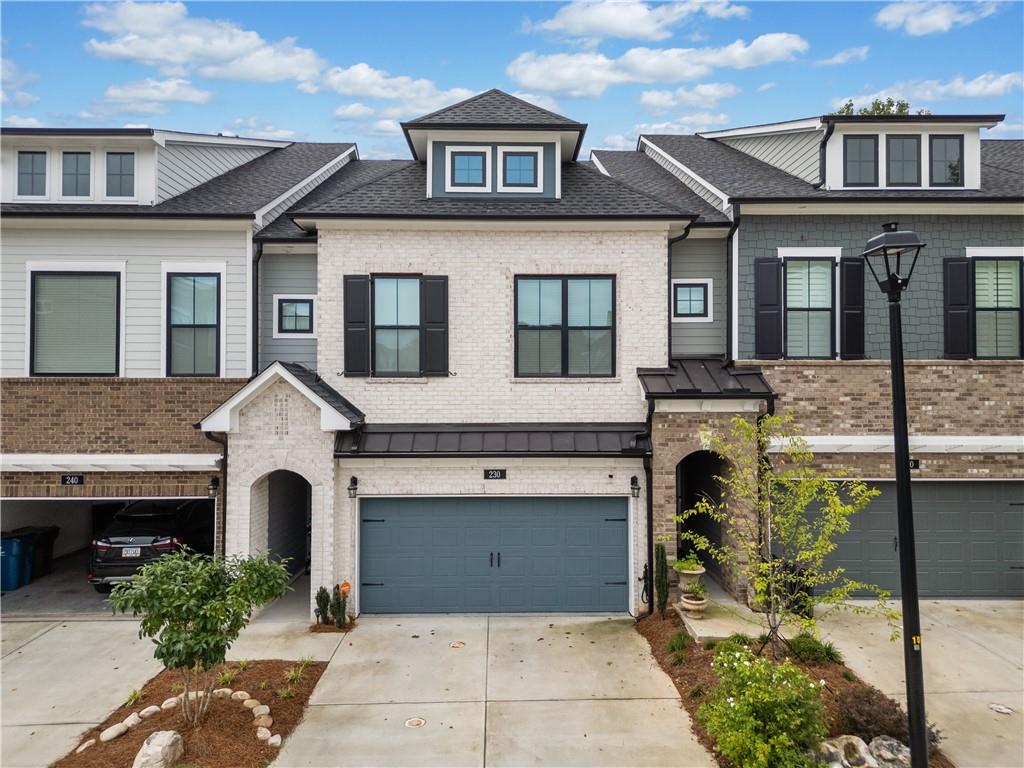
[410, 440]
[704, 378]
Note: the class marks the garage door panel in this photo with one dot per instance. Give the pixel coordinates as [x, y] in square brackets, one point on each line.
[968, 539]
[556, 555]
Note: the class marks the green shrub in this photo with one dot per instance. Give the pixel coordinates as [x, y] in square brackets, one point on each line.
[339, 611]
[292, 675]
[762, 714]
[867, 712]
[678, 658]
[689, 563]
[680, 641]
[740, 638]
[323, 605]
[305, 663]
[243, 664]
[709, 645]
[848, 675]
[227, 677]
[808, 648]
[661, 578]
[285, 693]
[728, 646]
[133, 698]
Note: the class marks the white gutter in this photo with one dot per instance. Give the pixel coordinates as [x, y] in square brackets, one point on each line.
[109, 462]
[340, 160]
[790, 126]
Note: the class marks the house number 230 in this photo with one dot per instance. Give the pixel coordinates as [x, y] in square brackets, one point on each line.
[495, 474]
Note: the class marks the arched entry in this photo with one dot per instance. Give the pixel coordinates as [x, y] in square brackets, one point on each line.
[281, 524]
[695, 479]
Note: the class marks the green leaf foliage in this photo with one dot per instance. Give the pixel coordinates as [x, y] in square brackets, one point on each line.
[661, 578]
[888, 106]
[810, 649]
[762, 714]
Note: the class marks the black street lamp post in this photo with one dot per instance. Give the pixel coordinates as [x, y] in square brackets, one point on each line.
[892, 249]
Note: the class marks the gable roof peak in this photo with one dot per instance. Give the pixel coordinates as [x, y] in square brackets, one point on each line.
[494, 107]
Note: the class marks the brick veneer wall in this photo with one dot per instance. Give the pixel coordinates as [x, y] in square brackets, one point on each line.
[95, 415]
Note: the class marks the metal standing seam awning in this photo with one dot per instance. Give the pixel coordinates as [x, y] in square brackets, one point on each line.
[704, 378]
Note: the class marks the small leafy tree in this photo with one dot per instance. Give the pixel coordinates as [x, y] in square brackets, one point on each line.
[661, 578]
[323, 605]
[193, 607]
[888, 106]
[339, 607]
[780, 517]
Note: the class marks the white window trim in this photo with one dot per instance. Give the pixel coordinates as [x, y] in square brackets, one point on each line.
[92, 175]
[47, 173]
[194, 267]
[135, 175]
[814, 252]
[74, 266]
[277, 298]
[537, 151]
[710, 299]
[448, 150]
[995, 252]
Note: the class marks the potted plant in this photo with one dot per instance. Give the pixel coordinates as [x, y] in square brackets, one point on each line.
[694, 600]
[690, 569]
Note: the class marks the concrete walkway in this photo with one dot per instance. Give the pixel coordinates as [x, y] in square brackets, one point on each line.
[496, 691]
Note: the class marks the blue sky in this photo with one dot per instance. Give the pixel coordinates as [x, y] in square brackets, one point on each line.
[351, 71]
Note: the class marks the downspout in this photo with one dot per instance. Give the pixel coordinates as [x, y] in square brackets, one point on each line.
[821, 155]
[672, 241]
[256, 256]
[647, 578]
[730, 353]
[222, 441]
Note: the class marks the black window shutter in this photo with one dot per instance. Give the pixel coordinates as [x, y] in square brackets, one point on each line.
[958, 308]
[434, 326]
[357, 324]
[851, 308]
[768, 308]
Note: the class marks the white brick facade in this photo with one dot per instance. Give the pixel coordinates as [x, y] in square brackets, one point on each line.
[481, 267]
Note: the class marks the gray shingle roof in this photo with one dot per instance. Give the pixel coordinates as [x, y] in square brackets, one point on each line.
[495, 108]
[640, 171]
[743, 177]
[353, 174]
[238, 193]
[704, 377]
[586, 193]
[394, 440]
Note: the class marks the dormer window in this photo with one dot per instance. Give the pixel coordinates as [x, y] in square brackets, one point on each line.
[32, 174]
[947, 161]
[469, 169]
[75, 174]
[120, 174]
[860, 161]
[520, 169]
[903, 161]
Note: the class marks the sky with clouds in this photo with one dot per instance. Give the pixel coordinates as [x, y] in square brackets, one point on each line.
[352, 71]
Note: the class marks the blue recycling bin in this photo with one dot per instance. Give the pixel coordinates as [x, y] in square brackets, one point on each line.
[11, 563]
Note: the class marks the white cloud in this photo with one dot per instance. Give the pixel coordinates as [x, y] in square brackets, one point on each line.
[135, 125]
[386, 127]
[151, 95]
[632, 19]
[540, 99]
[1006, 131]
[988, 85]
[767, 86]
[846, 56]
[705, 95]
[926, 18]
[412, 96]
[13, 80]
[590, 73]
[164, 36]
[17, 121]
[258, 128]
[353, 111]
[618, 141]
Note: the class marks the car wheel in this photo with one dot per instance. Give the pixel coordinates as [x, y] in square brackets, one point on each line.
[103, 589]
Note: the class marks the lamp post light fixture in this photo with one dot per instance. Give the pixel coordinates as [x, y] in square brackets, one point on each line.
[353, 487]
[634, 487]
[895, 252]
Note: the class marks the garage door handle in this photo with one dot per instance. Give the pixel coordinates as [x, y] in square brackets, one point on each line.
[615, 583]
[371, 583]
[615, 519]
[499, 559]
[492, 559]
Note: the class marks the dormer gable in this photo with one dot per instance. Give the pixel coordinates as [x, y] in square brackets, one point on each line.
[494, 145]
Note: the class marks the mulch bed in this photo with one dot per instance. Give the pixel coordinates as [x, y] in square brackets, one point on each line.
[695, 679]
[318, 629]
[227, 737]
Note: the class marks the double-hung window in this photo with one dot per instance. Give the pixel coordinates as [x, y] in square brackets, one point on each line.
[946, 155]
[997, 307]
[120, 174]
[809, 298]
[396, 326]
[860, 161]
[565, 326]
[75, 172]
[75, 323]
[193, 324]
[31, 174]
[902, 161]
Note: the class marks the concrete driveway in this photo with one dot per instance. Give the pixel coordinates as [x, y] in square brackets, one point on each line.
[496, 691]
[973, 656]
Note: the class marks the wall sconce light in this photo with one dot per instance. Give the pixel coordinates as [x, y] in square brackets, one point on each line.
[211, 489]
[634, 487]
[353, 487]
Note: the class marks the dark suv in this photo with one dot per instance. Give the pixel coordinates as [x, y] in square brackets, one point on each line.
[144, 531]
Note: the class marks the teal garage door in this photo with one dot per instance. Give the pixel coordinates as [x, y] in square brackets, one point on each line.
[970, 540]
[492, 555]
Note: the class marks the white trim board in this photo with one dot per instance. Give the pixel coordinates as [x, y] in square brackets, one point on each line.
[709, 285]
[537, 151]
[998, 251]
[788, 126]
[693, 175]
[339, 161]
[597, 164]
[110, 462]
[918, 444]
[476, 149]
[197, 267]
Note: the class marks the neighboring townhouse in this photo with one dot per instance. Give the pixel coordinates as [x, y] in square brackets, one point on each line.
[775, 280]
[126, 289]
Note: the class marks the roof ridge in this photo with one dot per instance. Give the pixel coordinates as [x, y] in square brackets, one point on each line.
[632, 188]
[426, 118]
[466, 100]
